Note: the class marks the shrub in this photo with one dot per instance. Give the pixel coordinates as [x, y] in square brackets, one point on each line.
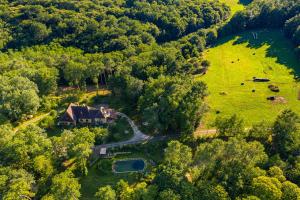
[101, 135]
[48, 122]
[53, 113]
[70, 99]
[205, 63]
[3, 119]
[274, 88]
[48, 104]
[104, 166]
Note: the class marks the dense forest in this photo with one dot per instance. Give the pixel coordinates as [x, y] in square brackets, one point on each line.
[146, 52]
[123, 43]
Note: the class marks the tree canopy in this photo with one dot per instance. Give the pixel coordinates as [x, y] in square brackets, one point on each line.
[147, 53]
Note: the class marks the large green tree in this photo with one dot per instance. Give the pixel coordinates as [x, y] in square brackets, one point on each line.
[286, 137]
[290, 191]
[173, 104]
[168, 194]
[267, 188]
[21, 148]
[233, 164]
[78, 144]
[16, 184]
[64, 186]
[19, 97]
[106, 193]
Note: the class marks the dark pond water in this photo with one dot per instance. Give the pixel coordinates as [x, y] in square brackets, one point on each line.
[129, 165]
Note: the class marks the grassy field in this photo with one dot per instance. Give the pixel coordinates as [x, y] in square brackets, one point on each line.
[238, 59]
[235, 5]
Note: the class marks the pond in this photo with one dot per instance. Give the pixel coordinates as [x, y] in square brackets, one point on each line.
[131, 165]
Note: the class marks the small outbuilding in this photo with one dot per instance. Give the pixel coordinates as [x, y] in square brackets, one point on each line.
[103, 151]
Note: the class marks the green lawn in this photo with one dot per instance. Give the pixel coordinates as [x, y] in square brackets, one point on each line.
[235, 5]
[104, 176]
[97, 178]
[236, 60]
[120, 130]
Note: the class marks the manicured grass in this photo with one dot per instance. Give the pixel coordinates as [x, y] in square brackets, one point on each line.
[97, 178]
[120, 130]
[238, 59]
[88, 96]
[103, 175]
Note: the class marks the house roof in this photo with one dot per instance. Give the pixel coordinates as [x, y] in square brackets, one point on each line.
[76, 112]
[95, 113]
[81, 112]
[66, 118]
[68, 115]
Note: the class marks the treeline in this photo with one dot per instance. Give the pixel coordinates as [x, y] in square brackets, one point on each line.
[262, 163]
[268, 14]
[177, 18]
[104, 26]
[292, 30]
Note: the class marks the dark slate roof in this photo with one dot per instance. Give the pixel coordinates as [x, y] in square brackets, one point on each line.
[81, 112]
[66, 118]
[75, 112]
[68, 115]
[96, 113]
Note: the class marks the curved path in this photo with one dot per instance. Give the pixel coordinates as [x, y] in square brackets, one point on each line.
[30, 121]
[138, 137]
[205, 132]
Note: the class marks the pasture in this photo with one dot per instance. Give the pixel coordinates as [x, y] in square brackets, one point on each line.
[235, 61]
[235, 5]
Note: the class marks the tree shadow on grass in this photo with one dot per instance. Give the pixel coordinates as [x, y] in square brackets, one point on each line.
[279, 47]
[245, 2]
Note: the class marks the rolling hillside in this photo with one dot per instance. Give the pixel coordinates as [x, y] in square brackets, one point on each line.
[236, 60]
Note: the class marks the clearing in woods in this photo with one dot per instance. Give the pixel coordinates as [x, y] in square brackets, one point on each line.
[235, 5]
[235, 61]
